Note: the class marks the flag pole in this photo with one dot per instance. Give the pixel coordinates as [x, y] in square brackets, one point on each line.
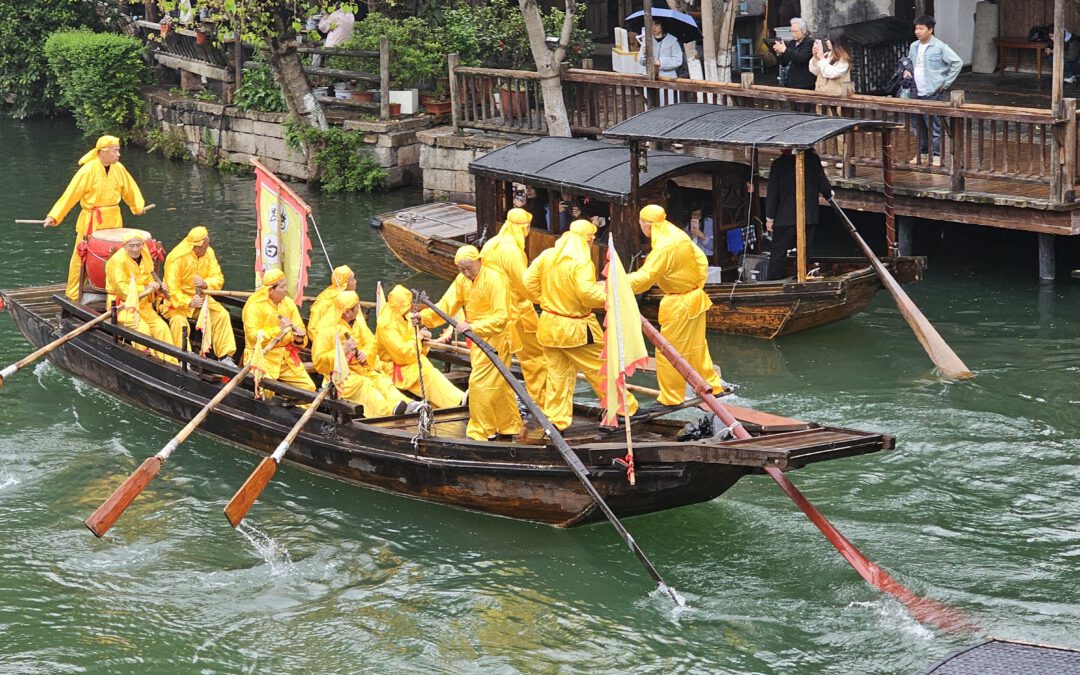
[630, 474]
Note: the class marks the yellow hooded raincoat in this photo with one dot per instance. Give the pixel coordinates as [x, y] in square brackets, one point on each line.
[99, 193]
[323, 310]
[118, 273]
[486, 303]
[679, 268]
[364, 385]
[261, 314]
[506, 252]
[395, 341]
[563, 280]
[181, 267]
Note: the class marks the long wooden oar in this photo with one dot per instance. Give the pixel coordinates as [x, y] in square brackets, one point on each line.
[32, 221]
[940, 353]
[921, 608]
[245, 497]
[246, 294]
[34, 356]
[560, 443]
[107, 514]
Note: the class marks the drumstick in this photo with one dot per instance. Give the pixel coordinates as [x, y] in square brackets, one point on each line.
[22, 221]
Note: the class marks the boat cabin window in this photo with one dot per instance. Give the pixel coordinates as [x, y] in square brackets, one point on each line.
[535, 201]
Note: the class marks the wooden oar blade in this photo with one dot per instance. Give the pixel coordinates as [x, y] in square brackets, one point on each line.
[107, 514]
[245, 497]
[936, 348]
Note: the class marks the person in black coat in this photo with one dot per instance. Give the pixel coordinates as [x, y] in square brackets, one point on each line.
[795, 55]
[780, 205]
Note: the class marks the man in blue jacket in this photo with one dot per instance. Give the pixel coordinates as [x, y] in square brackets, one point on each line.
[936, 68]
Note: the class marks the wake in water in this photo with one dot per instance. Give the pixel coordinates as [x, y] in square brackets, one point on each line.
[273, 554]
[7, 480]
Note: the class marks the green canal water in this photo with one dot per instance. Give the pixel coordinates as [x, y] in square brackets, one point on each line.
[977, 507]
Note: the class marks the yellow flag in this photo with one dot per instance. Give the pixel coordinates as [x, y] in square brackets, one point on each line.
[203, 324]
[380, 298]
[131, 300]
[258, 363]
[341, 363]
[624, 345]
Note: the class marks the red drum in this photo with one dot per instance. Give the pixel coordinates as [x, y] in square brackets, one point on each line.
[102, 244]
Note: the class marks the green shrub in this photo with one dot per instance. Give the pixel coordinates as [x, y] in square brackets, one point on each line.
[259, 91]
[26, 85]
[417, 55]
[99, 76]
[170, 143]
[346, 165]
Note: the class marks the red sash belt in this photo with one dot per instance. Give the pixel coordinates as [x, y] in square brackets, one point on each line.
[398, 376]
[294, 353]
[95, 214]
[566, 316]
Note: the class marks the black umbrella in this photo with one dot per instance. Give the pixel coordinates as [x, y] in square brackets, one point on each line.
[682, 26]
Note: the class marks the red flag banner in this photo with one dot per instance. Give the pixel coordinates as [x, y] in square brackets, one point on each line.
[281, 239]
[624, 345]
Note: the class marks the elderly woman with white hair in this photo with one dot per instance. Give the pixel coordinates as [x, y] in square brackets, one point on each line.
[795, 55]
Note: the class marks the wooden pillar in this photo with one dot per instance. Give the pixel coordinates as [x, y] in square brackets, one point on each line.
[487, 210]
[652, 96]
[1058, 76]
[384, 78]
[907, 235]
[956, 146]
[1068, 153]
[800, 213]
[1046, 257]
[887, 157]
[624, 229]
[455, 94]
[717, 210]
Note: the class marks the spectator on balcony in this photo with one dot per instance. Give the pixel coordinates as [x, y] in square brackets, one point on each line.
[667, 55]
[337, 26]
[795, 55]
[832, 66]
[1071, 55]
[936, 68]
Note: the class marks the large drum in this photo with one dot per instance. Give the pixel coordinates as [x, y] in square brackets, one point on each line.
[102, 244]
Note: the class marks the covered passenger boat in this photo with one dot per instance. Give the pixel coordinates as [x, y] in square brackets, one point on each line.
[526, 478]
[601, 176]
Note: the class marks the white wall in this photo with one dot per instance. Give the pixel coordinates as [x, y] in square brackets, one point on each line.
[956, 26]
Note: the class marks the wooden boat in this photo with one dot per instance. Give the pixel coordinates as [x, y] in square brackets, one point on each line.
[425, 237]
[525, 479]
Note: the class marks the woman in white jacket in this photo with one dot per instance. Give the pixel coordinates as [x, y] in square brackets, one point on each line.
[832, 65]
[668, 56]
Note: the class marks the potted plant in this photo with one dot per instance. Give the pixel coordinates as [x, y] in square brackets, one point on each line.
[438, 101]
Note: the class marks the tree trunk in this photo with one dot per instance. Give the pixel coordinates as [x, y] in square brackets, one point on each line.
[726, 9]
[548, 64]
[680, 6]
[300, 101]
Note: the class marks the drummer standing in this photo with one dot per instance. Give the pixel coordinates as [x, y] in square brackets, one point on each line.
[98, 186]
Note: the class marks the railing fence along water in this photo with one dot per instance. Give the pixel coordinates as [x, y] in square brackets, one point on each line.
[990, 144]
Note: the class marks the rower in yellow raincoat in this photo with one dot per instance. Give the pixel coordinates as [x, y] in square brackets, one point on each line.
[563, 280]
[679, 268]
[270, 310]
[98, 186]
[364, 384]
[323, 309]
[506, 252]
[131, 270]
[482, 292]
[192, 268]
[395, 340]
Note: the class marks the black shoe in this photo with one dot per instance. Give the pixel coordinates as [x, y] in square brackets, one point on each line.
[401, 408]
[653, 411]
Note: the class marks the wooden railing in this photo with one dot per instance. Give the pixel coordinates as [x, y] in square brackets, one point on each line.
[381, 78]
[990, 143]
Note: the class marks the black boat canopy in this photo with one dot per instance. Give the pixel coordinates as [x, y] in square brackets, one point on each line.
[584, 167]
[743, 127]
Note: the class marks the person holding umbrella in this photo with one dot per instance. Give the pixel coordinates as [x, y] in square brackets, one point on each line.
[667, 55]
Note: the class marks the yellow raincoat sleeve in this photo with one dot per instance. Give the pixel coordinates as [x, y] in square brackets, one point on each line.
[322, 351]
[129, 191]
[288, 309]
[365, 339]
[180, 280]
[590, 293]
[650, 271]
[118, 274]
[79, 185]
[214, 277]
[496, 318]
[451, 302]
[395, 341]
[260, 316]
[533, 275]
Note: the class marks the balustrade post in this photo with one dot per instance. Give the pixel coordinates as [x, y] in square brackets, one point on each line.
[847, 152]
[384, 78]
[1068, 166]
[455, 94]
[956, 148]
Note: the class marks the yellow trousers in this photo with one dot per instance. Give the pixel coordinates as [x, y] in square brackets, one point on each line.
[75, 265]
[222, 339]
[534, 366]
[564, 363]
[374, 391]
[441, 392]
[147, 322]
[280, 367]
[492, 405]
[687, 336]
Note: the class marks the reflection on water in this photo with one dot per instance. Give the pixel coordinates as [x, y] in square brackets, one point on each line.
[974, 508]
